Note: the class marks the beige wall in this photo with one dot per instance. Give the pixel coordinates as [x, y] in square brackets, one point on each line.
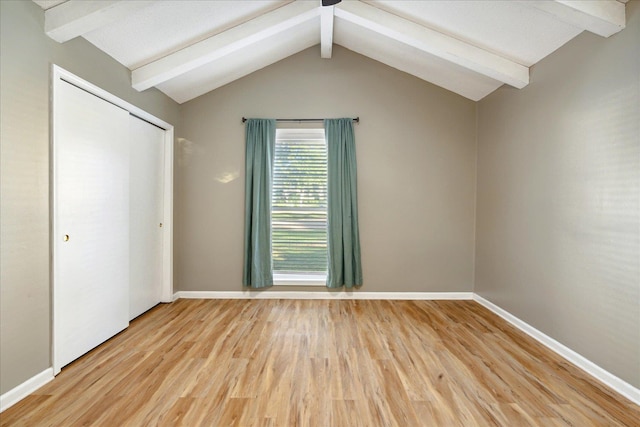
[558, 222]
[416, 171]
[24, 258]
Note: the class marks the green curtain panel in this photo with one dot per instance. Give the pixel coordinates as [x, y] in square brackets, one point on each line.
[260, 146]
[343, 237]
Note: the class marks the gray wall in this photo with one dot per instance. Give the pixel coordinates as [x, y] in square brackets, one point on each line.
[24, 102]
[416, 150]
[558, 222]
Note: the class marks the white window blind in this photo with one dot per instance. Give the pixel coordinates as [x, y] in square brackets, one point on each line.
[299, 202]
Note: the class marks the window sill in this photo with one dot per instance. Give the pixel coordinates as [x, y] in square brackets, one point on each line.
[300, 279]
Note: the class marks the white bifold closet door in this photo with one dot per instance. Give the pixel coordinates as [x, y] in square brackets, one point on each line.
[146, 213]
[91, 222]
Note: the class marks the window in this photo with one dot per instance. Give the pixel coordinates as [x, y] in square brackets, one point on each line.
[299, 207]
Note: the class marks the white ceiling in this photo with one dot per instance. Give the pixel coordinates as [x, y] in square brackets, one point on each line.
[187, 48]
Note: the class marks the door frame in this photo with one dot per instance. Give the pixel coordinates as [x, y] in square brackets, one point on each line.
[58, 77]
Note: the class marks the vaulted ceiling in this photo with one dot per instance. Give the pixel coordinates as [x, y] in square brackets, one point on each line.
[188, 48]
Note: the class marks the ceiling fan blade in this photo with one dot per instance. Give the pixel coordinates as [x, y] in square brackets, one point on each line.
[330, 2]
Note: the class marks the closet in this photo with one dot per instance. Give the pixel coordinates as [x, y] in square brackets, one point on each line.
[146, 160]
[111, 197]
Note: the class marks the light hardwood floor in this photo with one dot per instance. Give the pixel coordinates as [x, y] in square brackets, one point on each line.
[322, 363]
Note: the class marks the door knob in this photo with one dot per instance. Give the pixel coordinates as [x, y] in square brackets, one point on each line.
[66, 238]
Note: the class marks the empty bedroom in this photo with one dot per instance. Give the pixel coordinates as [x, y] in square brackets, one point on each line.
[320, 213]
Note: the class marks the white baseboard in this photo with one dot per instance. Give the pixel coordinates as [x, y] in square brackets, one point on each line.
[621, 386]
[21, 391]
[323, 295]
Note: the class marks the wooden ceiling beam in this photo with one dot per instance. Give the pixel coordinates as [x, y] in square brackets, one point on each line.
[74, 18]
[223, 44]
[602, 17]
[434, 43]
[326, 31]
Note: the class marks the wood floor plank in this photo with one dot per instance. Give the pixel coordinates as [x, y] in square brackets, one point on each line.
[322, 363]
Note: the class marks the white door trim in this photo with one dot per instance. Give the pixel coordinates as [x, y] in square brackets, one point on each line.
[58, 77]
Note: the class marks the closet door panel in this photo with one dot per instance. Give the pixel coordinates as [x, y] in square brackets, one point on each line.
[146, 215]
[91, 222]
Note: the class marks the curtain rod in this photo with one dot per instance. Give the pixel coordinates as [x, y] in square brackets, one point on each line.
[357, 120]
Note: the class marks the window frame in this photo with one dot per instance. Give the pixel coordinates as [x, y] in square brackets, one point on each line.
[298, 279]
